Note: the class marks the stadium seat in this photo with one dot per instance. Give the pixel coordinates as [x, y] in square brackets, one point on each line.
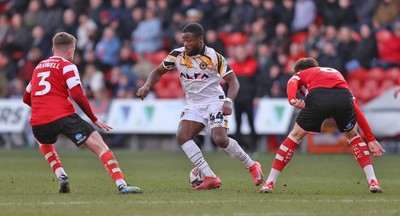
[392, 74]
[157, 57]
[369, 90]
[299, 37]
[376, 74]
[169, 86]
[359, 74]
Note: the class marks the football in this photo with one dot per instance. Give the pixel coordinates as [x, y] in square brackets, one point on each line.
[195, 177]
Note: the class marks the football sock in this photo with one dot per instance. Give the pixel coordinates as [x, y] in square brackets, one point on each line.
[194, 154]
[369, 172]
[361, 153]
[236, 151]
[50, 154]
[284, 155]
[112, 167]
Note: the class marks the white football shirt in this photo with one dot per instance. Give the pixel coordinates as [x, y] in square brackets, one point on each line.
[199, 74]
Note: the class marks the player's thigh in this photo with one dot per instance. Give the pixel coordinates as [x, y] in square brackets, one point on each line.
[46, 134]
[187, 130]
[220, 136]
[76, 129]
[344, 112]
[313, 114]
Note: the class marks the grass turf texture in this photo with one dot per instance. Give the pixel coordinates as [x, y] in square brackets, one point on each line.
[310, 185]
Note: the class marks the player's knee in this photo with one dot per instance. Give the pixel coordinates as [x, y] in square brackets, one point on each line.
[220, 140]
[182, 138]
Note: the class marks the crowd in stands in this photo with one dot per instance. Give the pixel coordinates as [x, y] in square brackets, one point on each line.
[121, 41]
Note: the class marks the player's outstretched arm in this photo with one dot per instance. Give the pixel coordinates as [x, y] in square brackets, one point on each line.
[152, 79]
[27, 95]
[233, 89]
[80, 99]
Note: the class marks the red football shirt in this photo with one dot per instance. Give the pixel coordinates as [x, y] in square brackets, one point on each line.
[318, 77]
[51, 80]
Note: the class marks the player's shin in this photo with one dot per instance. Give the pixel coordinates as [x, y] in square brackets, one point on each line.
[112, 167]
[194, 154]
[236, 151]
[283, 156]
[50, 154]
[361, 154]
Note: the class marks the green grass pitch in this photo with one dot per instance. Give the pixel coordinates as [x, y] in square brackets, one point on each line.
[310, 185]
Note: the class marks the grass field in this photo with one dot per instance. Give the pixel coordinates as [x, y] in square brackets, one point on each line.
[310, 185]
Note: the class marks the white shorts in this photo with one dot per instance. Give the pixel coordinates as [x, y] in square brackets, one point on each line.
[208, 114]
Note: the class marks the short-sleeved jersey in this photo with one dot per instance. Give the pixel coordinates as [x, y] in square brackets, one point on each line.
[199, 74]
[319, 77]
[49, 86]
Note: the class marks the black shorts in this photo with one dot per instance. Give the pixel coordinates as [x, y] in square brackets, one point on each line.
[323, 103]
[72, 126]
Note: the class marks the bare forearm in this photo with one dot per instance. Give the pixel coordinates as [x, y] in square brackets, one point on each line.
[155, 76]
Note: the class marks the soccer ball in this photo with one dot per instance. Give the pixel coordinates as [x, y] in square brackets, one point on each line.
[195, 177]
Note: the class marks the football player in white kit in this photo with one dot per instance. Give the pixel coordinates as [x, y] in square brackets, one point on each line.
[200, 69]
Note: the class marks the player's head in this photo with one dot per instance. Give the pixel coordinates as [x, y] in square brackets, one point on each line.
[64, 45]
[192, 36]
[304, 63]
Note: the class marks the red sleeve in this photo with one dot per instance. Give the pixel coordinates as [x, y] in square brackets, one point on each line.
[27, 98]
[80, 98]
[292, 89]
[363, 123]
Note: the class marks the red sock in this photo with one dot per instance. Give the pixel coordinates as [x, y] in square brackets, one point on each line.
[284, 155]
[360, 151]
[111, 165]
[50, 154]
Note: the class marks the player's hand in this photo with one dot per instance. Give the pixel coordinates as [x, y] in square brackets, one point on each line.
[143, 91]
[227, 108]
[396, 92]
[375, 148]
[297, 103]
[102, 125]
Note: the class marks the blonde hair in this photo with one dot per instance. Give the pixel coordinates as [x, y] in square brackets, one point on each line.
[63, 40]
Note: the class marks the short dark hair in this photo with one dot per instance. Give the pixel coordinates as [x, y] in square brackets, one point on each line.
[195, 28]
[304, 63]
[62, 40]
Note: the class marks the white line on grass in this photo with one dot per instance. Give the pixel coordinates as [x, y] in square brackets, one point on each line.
[194, 202]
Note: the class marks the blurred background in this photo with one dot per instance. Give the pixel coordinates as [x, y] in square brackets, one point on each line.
[121, 41]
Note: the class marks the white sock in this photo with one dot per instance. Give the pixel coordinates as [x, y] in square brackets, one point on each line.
[273, 175]
[369, 172]
[236, 151]
[59, 172]
[120, 182]
[194, 154]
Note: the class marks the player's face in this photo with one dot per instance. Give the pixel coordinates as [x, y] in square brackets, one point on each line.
[192, 43]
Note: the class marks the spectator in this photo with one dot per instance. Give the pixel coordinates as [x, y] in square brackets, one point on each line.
[365, 51]
[3, 85]
[18, 37]
[50, 16]
[286, 12]
[107, 49]
[92, 81]
[95, 8]
[346, 44]
[388, 47]
[129, 18]
[86, 33]
[304, 14]
[314, 39]
[4, 28]
[206, 7]
[329, 11]
[41, 41]
[33, 57]
[31, 15]
[386, 14]
[143, 67]
[212, 40]
[280, 43]
[330, 58]
[346, 13]
[69, 23]
[245, 68]
[365, 9]
[222, 16]
[271, 16]
[241, 16]
[7, 66]
[258, 35]
[147, 37]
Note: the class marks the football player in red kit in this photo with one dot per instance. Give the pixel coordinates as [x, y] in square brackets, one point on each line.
[52, 113]
[326, 95]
